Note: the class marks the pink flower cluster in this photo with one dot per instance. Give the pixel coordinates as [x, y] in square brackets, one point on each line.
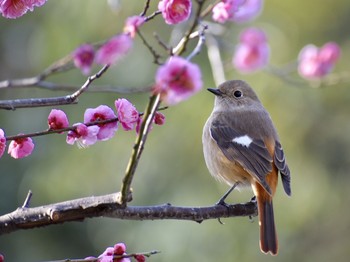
[175, 11]
[100, 124]
[111, 254]
[237, 10]
[177, 80]
[111, 51]
[16, 8]
[315, 63]
[18, 148]
[252, 52]
[108, 54]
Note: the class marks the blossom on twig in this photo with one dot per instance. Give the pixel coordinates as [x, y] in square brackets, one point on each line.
[253, 51]
[175, 11]
[2, 142]
[84, 135]
[127, 114]
[132, 24]
[57, 119]
[83, 58]
[315, 63]
[99, 113]
[16, 8]
[114, 49]
[21, 147]
[177, 80]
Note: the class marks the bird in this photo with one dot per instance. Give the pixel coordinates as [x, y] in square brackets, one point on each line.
[241, 147]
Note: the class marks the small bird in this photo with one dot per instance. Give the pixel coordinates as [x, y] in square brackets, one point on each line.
[241, 147]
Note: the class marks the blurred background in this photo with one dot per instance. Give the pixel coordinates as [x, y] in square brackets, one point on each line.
[313, 123]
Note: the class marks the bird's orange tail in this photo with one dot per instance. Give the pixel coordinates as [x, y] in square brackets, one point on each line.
[268, 236]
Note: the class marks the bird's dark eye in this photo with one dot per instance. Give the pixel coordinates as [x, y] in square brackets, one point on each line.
[238, 93]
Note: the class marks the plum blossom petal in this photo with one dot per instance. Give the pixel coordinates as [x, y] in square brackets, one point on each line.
[159, 118]
[119, 249]
[114, 49]
[175, 11]
[315, 63]
[57, 119]
[21, 147]
[225, 10]
[140, 258]
[84, 135]
[2, 142]
[127, 114]
[253, 52]
[177, 80]
[83, 58]
[99, 113]
[16, 8]
[247, 11]
[132, 24]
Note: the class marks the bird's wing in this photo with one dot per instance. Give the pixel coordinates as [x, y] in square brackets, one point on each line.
[281, 164]
[250, 153]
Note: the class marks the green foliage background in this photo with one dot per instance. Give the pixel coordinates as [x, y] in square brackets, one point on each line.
[313, 225]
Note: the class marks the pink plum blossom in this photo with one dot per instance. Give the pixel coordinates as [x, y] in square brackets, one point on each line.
[175, 11]
[110, 252]
[127, 113]
[177, 80]
[99, 113]
[226, 9]
[315, 63]
[140, 258]
[57, 119]
[21, 147]
[119, 249]
[2, 142]
[253, 52]
[16, 8]
[83, 58]
[132, 24]
[114, 49]
[159, 119]
[247, 11]
[84, 135]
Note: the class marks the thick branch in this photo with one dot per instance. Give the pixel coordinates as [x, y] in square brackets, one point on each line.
[107, 206]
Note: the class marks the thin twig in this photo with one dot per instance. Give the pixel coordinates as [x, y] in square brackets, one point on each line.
[163, 44]
[201, 42]
[138, 147]
[209, 9]
[52, 101]
[27, 200]
[150, 17]
[156, 56]
[32, 82]
[181, 47]
[146, 7]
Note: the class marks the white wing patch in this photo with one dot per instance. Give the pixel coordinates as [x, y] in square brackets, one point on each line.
[243, 140]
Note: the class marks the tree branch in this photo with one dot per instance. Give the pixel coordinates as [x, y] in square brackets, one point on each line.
[52, 101]
[151, 109]
[108, 206]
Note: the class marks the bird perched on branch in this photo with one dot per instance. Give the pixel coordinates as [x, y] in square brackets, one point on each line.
[241, 147]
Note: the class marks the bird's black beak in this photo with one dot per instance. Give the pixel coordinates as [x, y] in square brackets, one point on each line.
[215, 91]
